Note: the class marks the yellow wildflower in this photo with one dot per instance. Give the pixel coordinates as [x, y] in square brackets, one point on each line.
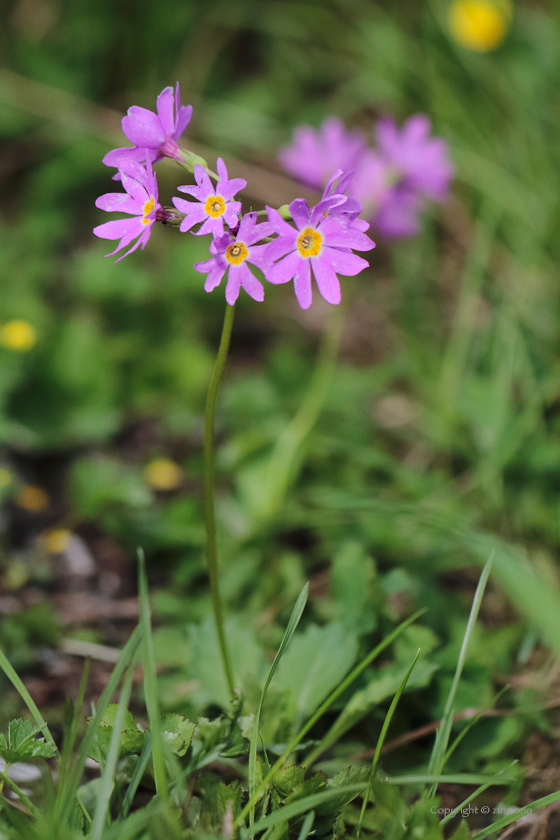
[56, 540]
[479, 25]
[163, 474]
[18, 335]
[33, 498]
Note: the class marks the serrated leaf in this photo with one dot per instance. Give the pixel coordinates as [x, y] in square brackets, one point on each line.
[131, 740]
[21, 744]
[178, 732]
[286, 780]
[347, 777]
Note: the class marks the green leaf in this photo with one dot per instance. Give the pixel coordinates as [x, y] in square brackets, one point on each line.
[316, 661]
[352, 584]
[131, 740]
[343, 783]
[21, 744]
[177, 732]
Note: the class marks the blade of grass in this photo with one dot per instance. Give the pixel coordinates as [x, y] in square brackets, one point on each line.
[69, 789]
[326, 740]
[5, 779]
[306, 826]
[437, 758]
[136, 777]
[290, 630]
[449, 779]
[8, 669]
[150, 680]
[472, 722]
[530, 808]
[325, 705]
[470, 798]
[107, 778]
[381, 740]
[300, 806]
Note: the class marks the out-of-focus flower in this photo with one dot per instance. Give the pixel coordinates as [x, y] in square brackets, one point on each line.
[314, 154]
[163, 474]
[234, 254]
[213, 204]
[321, 242]
[32, 498]
[417, 167]
[140, 201]
[154, 136]
[56, 540]
[6, 477]
[479, 25]
[18, 335]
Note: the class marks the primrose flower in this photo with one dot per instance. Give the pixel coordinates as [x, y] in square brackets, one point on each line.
[322, 242]
[213, 204]
[314, 154]
[154, 135]
[479, 25]
[233, 254]
[140, 201]
[417, 167]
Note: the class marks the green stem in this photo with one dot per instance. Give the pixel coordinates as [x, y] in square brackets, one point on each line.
[209, 518]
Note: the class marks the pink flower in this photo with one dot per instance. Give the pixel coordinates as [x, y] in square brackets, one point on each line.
[314, 154]
[233, 254]
[322, 242]
[154, 136]
[417, 168]
[213, 204]
[140, 201]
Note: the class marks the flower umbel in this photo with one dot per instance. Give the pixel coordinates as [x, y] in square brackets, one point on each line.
[322, 242]
[233, 254]
[140, 201]
[154, 135]
[213, 204]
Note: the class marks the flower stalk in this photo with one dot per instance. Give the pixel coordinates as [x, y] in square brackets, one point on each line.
[209, 515]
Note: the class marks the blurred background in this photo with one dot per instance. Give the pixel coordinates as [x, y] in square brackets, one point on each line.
[435, 434]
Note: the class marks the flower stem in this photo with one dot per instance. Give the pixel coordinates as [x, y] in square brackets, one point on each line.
[209, 518]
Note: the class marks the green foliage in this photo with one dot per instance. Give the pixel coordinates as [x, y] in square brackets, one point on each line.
[21, 744]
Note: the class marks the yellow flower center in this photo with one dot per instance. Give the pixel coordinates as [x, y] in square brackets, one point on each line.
[479, 25]
[309, 242]
[18, 335]
[236, 253]
[215, 206]
[148, 207]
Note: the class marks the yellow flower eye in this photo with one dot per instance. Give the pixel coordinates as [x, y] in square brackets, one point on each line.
[479, 25]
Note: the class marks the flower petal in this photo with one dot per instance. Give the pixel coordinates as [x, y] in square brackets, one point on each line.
[252, 286]
[280, 225]
[165, 104]
[280, 247]
[344, 262]
[299, 209]
[283, 271]
[327, 281]
[302, 285]
[143, 128]
[120, 228]
[119, 202]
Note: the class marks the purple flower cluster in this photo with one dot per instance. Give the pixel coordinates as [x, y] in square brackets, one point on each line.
[392, 181]
[389, 184]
